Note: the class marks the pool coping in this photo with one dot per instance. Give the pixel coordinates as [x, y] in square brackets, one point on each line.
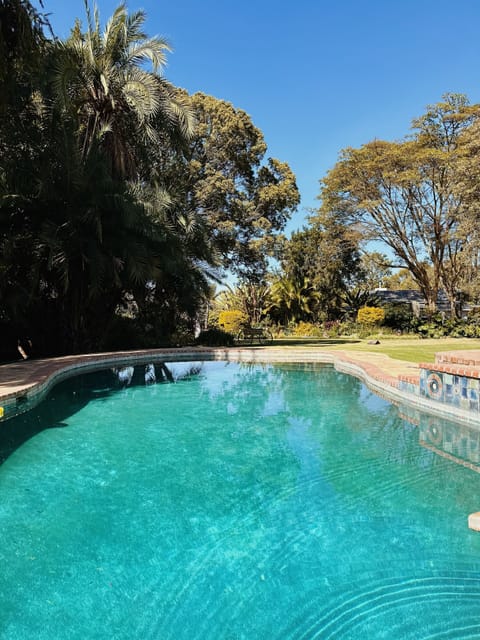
[24, 384]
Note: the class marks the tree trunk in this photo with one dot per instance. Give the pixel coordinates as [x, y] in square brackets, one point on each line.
[430, 295]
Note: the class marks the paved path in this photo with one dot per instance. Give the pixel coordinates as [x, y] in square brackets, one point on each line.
[381, 367]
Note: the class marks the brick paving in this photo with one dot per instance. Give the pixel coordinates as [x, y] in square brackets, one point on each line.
[381, 367]
[469, 358]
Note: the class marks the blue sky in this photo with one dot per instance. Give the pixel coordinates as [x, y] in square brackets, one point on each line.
[314, 76]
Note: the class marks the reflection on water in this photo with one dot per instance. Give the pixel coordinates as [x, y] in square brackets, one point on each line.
[124, 375]
[150, 375]
[71, 396]
[458, 442]
[154, 372]
[281, 502]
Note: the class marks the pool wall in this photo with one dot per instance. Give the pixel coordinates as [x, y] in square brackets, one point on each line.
[451, 383]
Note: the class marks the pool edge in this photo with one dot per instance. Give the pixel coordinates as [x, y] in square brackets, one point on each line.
[24, 384]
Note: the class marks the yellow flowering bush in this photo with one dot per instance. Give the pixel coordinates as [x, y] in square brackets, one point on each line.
[308, 330]
[232, 320]
[370, 316]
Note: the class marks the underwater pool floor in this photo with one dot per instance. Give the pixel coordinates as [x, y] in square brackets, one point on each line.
[243, 501]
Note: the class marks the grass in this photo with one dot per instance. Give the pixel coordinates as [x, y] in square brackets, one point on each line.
[409, 349]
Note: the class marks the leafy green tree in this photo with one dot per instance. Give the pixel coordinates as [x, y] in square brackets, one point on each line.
[401, 280]
[369, 274]
[402, 194]
[244, 200]
[375, 269]
[22, 43]
[84, 240]
[79, 240]
[22, 76]
[113, 217]
[468, 232]
[325, 254]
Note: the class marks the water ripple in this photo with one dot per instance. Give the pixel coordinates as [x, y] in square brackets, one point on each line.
[367, 605]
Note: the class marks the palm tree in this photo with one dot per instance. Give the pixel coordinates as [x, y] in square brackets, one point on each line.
[102, 83]
[292, 300]
[78, 233]
[249, 297]
[91, 241]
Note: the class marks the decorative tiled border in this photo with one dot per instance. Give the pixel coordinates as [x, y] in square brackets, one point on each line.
[454, 386]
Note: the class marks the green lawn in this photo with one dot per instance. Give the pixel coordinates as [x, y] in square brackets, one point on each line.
[410, 349]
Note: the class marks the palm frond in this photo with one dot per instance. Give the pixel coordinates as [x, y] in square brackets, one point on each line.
[176, 109]
[141, 94]
[153, 50]
[113, 26]
[134, 22]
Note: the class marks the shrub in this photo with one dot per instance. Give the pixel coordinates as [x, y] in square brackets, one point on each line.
[215, 337]
[182, 337]
[432, 329]
[472, 330]
[346, 328]
[438, 327]
[122, 333]
[370, 316]
[307, 329]
[399, 316]
[332, 328]
[232, 320]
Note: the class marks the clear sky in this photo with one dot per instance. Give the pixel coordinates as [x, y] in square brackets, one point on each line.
[315, 76]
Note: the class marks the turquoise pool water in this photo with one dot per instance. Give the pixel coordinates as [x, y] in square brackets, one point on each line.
[241, 502]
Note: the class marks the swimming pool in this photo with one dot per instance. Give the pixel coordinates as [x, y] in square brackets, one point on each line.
[241, 502]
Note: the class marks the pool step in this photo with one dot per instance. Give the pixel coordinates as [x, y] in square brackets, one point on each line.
[467, 369]
[474, 521]
[468, 358]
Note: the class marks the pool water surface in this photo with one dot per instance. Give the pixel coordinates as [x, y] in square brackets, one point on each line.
[280, 502]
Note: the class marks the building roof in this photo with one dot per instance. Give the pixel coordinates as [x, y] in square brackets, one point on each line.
[406, 296]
